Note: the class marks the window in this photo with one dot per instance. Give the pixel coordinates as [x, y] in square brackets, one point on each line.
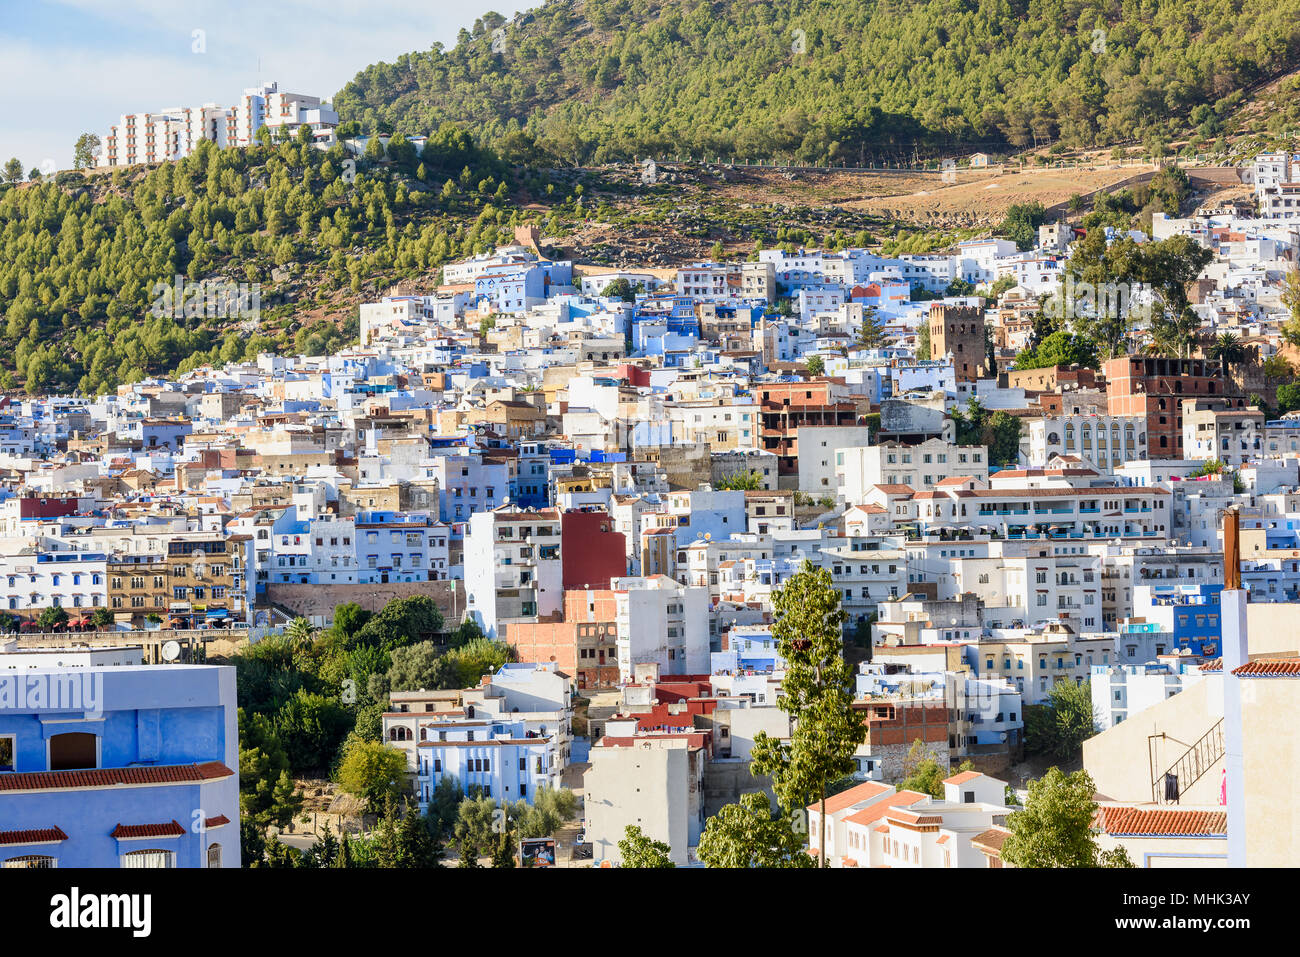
[73, 750]
[30, 860]
[6, 752]
[214, 855]
[154, 857]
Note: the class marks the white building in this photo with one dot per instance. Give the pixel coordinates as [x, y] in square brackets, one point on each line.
[512, 567]
[920, 467]
[173, 133]
[1120, 691]
[655, 782]
[1095, 439]
[663, 623]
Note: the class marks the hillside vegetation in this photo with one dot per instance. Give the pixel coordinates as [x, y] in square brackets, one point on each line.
[80, 257]
[832, 80]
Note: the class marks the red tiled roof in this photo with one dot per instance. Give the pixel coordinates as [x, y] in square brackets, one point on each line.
[40, 835]
[1161, 823]
[862, 792]
[876, 811]
[916, 819]
[1270, 668]
[963, 777]
[217, 821]
[170, 829]
[991, 840]
[113, 777]
[1215, 665]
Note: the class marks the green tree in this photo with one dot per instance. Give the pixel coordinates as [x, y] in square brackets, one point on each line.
[1290, 330]
[402, 621]
[1000, 431]
[374, 152]
[817, 694]
[348, 619]
[444, 803]
[923, 341]
[1288, 398]
[52, 618]
[749, 481]
[503, 855]
[1059, 349]
[923, 773]
[311, 727]
[750, 834]
[619, 289]
[1061, 725]
[419, 667]
[1055, 828]
[871, 333]
[83, 153]
[1226, 350]
[13, 171]
[300, 633]
[550, 809]
[637, 850]
[480, 657]
[815, 365]
[480, 822]
[266, 792]
[1021, 224]
[372, 771]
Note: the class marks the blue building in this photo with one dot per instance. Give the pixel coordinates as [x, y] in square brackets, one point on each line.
[1188, 613]
[117, 765]
[517, 287]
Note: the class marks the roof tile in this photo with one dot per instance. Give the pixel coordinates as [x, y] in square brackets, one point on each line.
[113, 777]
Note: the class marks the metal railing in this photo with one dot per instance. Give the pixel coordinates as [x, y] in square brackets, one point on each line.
[1168, 788]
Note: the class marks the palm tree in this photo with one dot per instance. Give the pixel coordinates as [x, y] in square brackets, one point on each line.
[300, 633]
[1227, 349]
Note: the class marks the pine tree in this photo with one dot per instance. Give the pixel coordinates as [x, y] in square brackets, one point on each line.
[816, 693]
[504, 855]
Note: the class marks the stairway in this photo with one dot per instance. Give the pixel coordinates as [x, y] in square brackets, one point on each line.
[1166, 788]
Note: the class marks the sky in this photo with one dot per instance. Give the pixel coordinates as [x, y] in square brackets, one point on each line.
[73, 66]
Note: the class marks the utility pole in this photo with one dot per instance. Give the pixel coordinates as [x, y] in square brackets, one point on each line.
[1236, 653]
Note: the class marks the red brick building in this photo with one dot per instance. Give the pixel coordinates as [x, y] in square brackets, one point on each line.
[785, 407]
[894, 725]
[959, 330]
[1154, 387]
[584, 644]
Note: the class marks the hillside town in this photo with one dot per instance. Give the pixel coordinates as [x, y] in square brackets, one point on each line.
[615, 475]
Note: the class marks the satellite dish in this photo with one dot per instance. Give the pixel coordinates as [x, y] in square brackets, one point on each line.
[171, 650]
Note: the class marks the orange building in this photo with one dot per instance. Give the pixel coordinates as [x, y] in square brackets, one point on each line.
[584, 644]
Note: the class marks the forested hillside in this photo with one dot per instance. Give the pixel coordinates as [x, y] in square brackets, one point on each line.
[80, 256]
[832, 80]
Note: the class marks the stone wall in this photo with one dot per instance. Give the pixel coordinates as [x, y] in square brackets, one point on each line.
[317, 602]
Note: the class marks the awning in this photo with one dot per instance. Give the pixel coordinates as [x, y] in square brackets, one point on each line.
[217, 613]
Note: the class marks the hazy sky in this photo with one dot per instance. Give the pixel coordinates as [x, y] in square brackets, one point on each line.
[74, 66]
